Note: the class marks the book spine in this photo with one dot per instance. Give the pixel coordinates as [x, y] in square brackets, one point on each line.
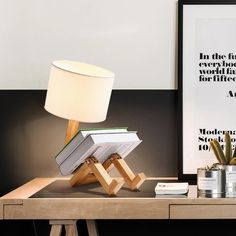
[68, 149]
[75, 158]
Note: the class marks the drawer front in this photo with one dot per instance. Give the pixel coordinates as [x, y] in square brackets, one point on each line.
[74, 208]
[201, 211]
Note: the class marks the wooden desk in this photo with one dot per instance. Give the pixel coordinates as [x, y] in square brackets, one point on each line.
[53, 199]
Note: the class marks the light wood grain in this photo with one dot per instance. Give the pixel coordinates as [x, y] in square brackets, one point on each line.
[1, 211]
[109, 208]
[92, 227]
[71, 229]
[108, 165]
[203, 211]
[29, 188]
[56, 230]
[80, 174]
[17, 205]
[110, 185]
[91, 178]
[35, 185]
[9, 202]
[70, 226]
[72, 129]
[123, 169]
[62, 222]
[133, 181]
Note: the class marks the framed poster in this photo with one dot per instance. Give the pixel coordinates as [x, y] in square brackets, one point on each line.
[207, 80]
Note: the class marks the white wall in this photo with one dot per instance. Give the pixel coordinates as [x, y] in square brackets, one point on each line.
[136, 39]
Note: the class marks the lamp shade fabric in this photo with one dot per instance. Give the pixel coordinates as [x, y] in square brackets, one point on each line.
[79, 91]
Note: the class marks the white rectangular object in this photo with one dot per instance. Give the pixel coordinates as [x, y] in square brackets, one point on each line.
[171, 188]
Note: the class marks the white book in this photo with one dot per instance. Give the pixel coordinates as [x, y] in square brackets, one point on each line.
[78, 138]
[171, 188]
[101, 146]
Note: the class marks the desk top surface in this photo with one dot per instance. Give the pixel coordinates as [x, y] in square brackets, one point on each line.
[59, 188]
[62, 189]
[54, 198]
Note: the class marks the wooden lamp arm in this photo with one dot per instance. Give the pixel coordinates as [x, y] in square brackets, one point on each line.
[72, 129]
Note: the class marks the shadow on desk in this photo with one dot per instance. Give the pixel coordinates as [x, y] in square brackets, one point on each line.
[62, 189]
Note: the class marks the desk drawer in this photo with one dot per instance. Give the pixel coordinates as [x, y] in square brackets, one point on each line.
[202, 211]
[86, 208]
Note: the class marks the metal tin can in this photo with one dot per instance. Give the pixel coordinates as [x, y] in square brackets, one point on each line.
[211, 183]
[230, 185]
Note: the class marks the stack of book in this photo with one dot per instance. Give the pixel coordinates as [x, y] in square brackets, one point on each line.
[99, 143]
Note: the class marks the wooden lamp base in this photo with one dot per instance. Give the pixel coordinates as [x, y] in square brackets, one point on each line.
[91, 165]
[92, 170]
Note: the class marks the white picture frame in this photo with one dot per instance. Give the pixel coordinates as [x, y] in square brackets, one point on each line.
[206, 80]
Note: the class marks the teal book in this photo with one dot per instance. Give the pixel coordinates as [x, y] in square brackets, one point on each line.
[80, 136]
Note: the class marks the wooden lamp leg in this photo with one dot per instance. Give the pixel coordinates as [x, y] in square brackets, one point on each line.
[108, 165]
[110, 185]
[91, 178]
[72, 129]
[80, 174]
[133, 181]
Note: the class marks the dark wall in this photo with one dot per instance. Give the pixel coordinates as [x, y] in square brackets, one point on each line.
[31, 137]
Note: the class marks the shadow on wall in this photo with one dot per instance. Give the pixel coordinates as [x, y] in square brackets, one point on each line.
[31, 137]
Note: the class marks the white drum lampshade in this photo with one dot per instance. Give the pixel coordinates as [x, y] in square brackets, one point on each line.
[79, 91]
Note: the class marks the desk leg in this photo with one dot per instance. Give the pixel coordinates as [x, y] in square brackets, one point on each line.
[92, 228]
[70, 227]
[55, 230]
